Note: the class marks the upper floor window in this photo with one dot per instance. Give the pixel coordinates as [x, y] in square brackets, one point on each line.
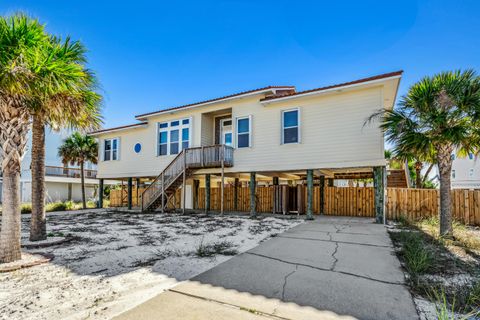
[243, 132]
[110, 149]
[470, 156]
[470, 172]
[452, 156]
[290, 126]
[173, 136]
[453, 174]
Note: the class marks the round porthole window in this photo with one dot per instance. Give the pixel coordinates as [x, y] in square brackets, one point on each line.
[137, 148]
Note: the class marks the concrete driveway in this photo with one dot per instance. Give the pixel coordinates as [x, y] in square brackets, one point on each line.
[330, 268]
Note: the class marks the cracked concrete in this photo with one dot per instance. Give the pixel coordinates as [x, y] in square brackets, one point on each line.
[330, 268]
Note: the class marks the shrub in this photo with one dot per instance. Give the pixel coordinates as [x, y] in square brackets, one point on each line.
[26, 208]
[418, 257]
[55, 206]
[220, 247]
[91, 204]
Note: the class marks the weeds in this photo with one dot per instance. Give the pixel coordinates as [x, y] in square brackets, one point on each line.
[418, 256]
[219, 247]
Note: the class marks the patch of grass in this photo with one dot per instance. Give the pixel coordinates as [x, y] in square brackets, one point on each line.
[26, 208]
[464, 236]
[417, 255]
[55, 234]
[404, 221]
[56, 206]
[219, 247]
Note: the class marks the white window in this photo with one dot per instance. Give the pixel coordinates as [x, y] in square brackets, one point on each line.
[290, 126]
[244, 132]
[173, 136]
[453, 174]
[110, 149]
[470, 173]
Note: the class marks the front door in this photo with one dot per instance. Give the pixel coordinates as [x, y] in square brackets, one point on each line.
[226, 134]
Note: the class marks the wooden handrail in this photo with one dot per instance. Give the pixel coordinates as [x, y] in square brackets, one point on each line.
[191, 158]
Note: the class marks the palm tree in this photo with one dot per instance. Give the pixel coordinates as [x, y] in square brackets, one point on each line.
[64, 96]
[437, 116]
[77, 150]
[19, 36]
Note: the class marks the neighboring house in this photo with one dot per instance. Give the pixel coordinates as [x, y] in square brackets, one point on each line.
[465, 172]
[61, 183]
[275, 132]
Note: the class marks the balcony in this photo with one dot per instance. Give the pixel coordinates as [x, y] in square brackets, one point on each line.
[69, 172]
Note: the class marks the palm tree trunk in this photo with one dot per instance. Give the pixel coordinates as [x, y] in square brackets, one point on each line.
[11, 219]
[38, 227]
[427, 173]
[445, 170]
[418, 174]
[82, 177]
[14, 121]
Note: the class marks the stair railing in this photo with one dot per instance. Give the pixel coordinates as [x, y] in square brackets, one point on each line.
[190, 158]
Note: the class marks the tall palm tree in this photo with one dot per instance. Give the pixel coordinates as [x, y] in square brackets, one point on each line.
[77, 150]
[437, 116]
[64, 96]
[19, 35]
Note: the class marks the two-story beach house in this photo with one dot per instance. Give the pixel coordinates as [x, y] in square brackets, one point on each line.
[272, 135]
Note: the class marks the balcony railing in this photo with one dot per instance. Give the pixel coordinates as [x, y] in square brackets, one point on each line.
[69, 172]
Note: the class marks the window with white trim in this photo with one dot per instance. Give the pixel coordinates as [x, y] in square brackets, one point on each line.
[453, 174]
[173, 136]
[110, 149]
[470, 173]
[244, 128]
[290, 126]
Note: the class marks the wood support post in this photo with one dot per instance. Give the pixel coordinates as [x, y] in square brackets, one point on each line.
[253, 210]
[184, 186]
[330, 182]
[196, 185]
[309, 194]
[275, 181]
[222, 187]
[163, 193]
[322, 194]
[379, 187]
[100, 193]
[207, 193]
[235, 194]
[129, 193]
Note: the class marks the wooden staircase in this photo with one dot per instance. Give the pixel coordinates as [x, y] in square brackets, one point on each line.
[162, 189]
[398, 175]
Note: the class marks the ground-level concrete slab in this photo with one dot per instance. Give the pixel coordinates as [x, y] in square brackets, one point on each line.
[330, 268]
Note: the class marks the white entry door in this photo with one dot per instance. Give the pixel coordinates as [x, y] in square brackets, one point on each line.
[226, 131]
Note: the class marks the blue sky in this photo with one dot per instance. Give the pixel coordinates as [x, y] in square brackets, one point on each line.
[152, 55]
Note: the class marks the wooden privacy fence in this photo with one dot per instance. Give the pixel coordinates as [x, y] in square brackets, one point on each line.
[339, 201]
[423, 203]
[119, 197]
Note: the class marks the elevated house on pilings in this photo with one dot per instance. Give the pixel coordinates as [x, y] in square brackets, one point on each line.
[273, 149]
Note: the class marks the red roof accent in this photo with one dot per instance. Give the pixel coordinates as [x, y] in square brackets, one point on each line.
[377, 77]
[121, 127]
[212, 100]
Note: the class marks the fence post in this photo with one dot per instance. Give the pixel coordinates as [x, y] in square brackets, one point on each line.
[129, 193]
[235, 195]
[207, 193]
[253, 210]
[100, 194]
[322, 194]
[379, 186]
[309, 194]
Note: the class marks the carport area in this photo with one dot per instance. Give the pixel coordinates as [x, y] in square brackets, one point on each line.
[329, 268]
